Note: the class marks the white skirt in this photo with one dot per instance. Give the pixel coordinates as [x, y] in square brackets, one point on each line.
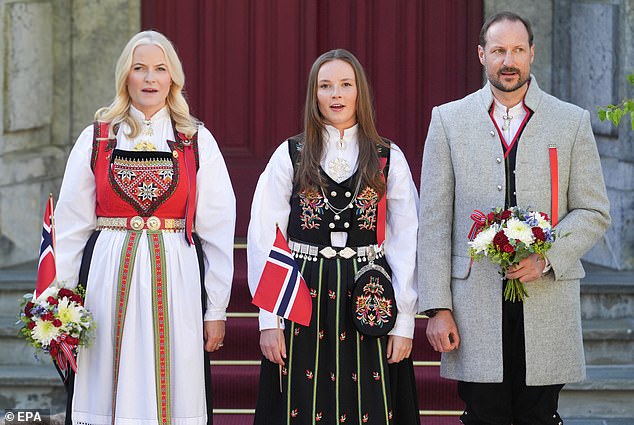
[136, 399]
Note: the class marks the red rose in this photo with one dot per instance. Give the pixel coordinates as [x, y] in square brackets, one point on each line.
[31, 325]
[77, 299]
[508, 248]
[48, 316]
[500, 239]
[539, 234]
[27, 309]
[52, 301]
[64, 292]
[57, 323]
[490, 217]
[506, 214]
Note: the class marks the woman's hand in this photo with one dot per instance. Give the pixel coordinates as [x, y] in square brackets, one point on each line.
[273, 345]
[398, 348]
[214, 334]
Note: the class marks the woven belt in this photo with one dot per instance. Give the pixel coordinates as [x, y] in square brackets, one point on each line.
[141, 223]
[312, 252]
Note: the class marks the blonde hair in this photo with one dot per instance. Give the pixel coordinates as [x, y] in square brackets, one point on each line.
[119, 110]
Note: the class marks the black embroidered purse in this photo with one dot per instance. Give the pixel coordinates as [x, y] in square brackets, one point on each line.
[373, 302]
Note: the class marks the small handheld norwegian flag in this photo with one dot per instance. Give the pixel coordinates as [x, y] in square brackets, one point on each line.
[46, 271]
[282, 289]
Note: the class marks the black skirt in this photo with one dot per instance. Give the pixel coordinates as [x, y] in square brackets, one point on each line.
[333, 374]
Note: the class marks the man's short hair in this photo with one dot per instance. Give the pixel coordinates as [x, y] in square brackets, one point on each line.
[505, 16]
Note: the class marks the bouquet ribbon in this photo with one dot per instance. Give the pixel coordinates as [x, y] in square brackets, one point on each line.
[479, 220]
[65, 357]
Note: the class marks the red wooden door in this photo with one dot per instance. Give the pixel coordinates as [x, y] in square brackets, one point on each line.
[247, 61]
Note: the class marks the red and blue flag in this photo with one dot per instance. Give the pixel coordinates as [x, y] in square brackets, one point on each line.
[282, 289]
[46, 271]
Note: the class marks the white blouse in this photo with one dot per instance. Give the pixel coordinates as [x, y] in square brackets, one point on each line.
[271, 204]
[215, 210]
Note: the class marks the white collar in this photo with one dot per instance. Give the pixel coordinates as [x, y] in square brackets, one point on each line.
[514, 110]
[334, 135]
[158, 116]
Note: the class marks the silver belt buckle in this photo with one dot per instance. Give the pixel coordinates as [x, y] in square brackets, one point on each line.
[347, 253]
[328, 252]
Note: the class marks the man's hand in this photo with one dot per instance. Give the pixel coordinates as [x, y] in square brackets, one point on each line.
[398, 348]
[528, 269]
[442, 332]
[214, 334]
[273, 345]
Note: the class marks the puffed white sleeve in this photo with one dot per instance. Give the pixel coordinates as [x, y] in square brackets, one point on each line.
[271, 205]
[215, 224]
[75, 217]
[400, 240]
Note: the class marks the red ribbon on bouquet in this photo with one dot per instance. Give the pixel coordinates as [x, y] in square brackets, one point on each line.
[65, 357]
[479, 220]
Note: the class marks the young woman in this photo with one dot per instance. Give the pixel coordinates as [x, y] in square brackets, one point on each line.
[145, 220]
[323, 188]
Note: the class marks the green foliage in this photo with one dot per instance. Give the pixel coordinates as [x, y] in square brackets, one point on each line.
[614, 113]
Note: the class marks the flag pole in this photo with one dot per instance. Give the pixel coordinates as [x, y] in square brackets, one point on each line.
[279, 346]
[50, 201]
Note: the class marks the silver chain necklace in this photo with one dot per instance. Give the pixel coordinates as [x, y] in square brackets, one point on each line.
[336, 210]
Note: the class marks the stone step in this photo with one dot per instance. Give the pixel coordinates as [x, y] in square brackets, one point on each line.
[607, 392]
[31, 387]
[14, 283]
[607, 293]
[609, 341]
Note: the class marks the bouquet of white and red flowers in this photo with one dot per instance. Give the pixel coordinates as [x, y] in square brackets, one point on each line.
[507, 236]
[57, 323]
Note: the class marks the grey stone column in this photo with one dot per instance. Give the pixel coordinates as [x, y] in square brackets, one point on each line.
[57, 59]
[594, 41]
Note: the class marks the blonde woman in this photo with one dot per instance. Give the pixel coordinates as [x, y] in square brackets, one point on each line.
[145, 220]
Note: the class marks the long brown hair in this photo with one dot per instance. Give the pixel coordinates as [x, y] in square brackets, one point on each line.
[307, 175]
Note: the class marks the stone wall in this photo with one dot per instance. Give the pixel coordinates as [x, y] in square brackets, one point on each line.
[57, 59]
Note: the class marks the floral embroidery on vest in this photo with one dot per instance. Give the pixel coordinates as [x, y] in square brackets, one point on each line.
[366, 208]
[312, 204]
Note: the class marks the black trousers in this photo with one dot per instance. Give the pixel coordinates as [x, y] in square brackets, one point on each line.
[512, 401]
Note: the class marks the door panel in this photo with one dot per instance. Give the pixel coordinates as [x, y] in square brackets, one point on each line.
[247, 62]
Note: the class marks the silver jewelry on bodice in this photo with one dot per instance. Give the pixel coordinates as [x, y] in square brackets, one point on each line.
[145, 144]
[339, 168]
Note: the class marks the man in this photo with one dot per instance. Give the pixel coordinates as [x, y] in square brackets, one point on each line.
[492, 149]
